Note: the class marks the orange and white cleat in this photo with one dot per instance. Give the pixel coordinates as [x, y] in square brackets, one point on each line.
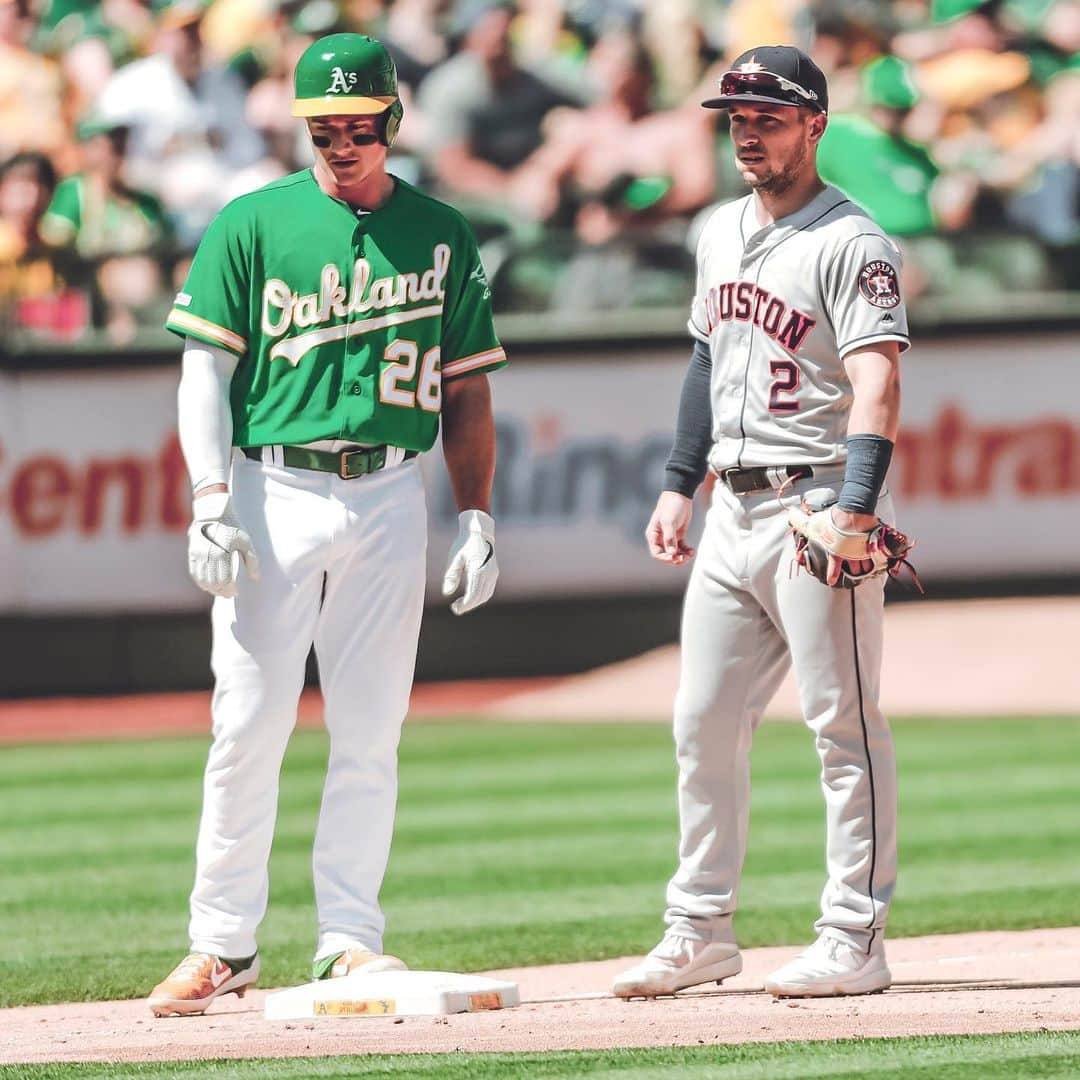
[197, 980]
[355, 960]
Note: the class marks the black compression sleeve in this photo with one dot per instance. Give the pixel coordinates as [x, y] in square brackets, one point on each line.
[688, 460]
[868, 458]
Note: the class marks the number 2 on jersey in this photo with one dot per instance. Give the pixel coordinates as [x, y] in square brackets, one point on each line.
[402, 356]
[785, 381]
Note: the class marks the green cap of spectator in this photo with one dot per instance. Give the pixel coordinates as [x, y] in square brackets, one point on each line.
[887, 81]
[645, 191]
[942, 11]
[175, 13]
[94, 124]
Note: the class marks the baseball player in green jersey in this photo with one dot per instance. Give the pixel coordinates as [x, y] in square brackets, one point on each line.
[332, 320]
[792, 398]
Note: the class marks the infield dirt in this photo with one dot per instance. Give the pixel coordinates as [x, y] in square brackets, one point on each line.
[945, 985]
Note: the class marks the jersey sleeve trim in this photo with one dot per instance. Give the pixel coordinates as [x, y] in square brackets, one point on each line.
[184, 323]
[481, 361]
[695, 332]
[870, 339]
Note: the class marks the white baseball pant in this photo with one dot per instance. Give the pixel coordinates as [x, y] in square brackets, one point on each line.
[342, 566]
[748, 615]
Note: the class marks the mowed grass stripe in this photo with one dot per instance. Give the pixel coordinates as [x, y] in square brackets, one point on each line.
[70, 771]
[593, 870]
[1046, 1055]
[984, 826]
[68, 764]
[517, 844]
[582, 877]
[984, 835]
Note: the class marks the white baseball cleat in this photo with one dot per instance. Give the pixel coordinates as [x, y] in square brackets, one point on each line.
[831, 967]
[676, 963]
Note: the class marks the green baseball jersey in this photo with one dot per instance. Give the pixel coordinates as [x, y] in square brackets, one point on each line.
[346, 323]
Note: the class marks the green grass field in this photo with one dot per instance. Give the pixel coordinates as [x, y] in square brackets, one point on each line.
[994, 1057]
[516, 844]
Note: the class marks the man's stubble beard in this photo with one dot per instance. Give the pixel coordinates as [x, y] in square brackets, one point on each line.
[779, 182]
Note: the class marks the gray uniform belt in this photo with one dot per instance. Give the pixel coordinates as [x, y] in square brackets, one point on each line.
[763, 477]
[347, 464]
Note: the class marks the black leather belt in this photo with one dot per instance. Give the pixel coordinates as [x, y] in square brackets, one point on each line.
[763, 477]
[348, 464]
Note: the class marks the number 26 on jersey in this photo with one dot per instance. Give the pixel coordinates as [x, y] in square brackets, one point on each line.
[399, 375]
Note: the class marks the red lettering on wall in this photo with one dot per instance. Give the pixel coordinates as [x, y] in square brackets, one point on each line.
[40, 490]
[953, 457]
[1051, 462]
[175, 487]
[128, 494]
[103, 476]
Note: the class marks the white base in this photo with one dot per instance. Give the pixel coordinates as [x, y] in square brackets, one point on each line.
[392, 993]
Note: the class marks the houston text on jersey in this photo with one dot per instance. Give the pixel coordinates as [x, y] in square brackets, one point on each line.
[747, 302]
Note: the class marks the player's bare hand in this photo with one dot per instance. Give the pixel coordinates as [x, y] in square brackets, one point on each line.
[665, 534]
[217, 545]
[472, 557]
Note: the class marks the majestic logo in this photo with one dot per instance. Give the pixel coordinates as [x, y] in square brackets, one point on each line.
[877, 283]
[283, 309]
[744, 301]
[340, 81]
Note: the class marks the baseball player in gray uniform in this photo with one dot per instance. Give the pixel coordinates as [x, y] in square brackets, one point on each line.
[791, 399]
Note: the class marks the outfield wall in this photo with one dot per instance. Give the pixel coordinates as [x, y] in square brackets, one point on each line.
[94, 500]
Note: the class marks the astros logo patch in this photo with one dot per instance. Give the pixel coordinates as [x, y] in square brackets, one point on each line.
[877, 282]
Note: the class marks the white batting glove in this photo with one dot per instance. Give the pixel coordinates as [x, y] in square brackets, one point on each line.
[473, 555]
[217, 544]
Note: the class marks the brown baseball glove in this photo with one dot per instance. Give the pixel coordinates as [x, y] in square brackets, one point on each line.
[837, 557]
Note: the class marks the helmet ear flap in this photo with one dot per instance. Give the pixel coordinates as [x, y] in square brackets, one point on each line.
[391, 121]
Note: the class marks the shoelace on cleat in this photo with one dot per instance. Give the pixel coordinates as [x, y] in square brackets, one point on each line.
[192, 964]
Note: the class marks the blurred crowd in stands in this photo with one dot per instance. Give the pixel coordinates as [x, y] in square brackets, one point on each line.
[568, 131]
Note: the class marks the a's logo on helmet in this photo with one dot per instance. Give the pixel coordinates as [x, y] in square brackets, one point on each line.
[340, 81]
[751, 66]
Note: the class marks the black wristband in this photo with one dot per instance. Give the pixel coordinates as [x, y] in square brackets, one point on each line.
[868, 458]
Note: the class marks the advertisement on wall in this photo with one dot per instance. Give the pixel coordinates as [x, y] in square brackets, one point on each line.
[94, 497]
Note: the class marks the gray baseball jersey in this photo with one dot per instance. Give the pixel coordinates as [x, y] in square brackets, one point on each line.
[780, 306]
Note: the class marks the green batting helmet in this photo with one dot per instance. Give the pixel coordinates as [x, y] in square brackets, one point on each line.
[349, 75]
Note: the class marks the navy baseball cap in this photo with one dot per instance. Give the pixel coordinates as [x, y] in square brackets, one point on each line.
[770, 75]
